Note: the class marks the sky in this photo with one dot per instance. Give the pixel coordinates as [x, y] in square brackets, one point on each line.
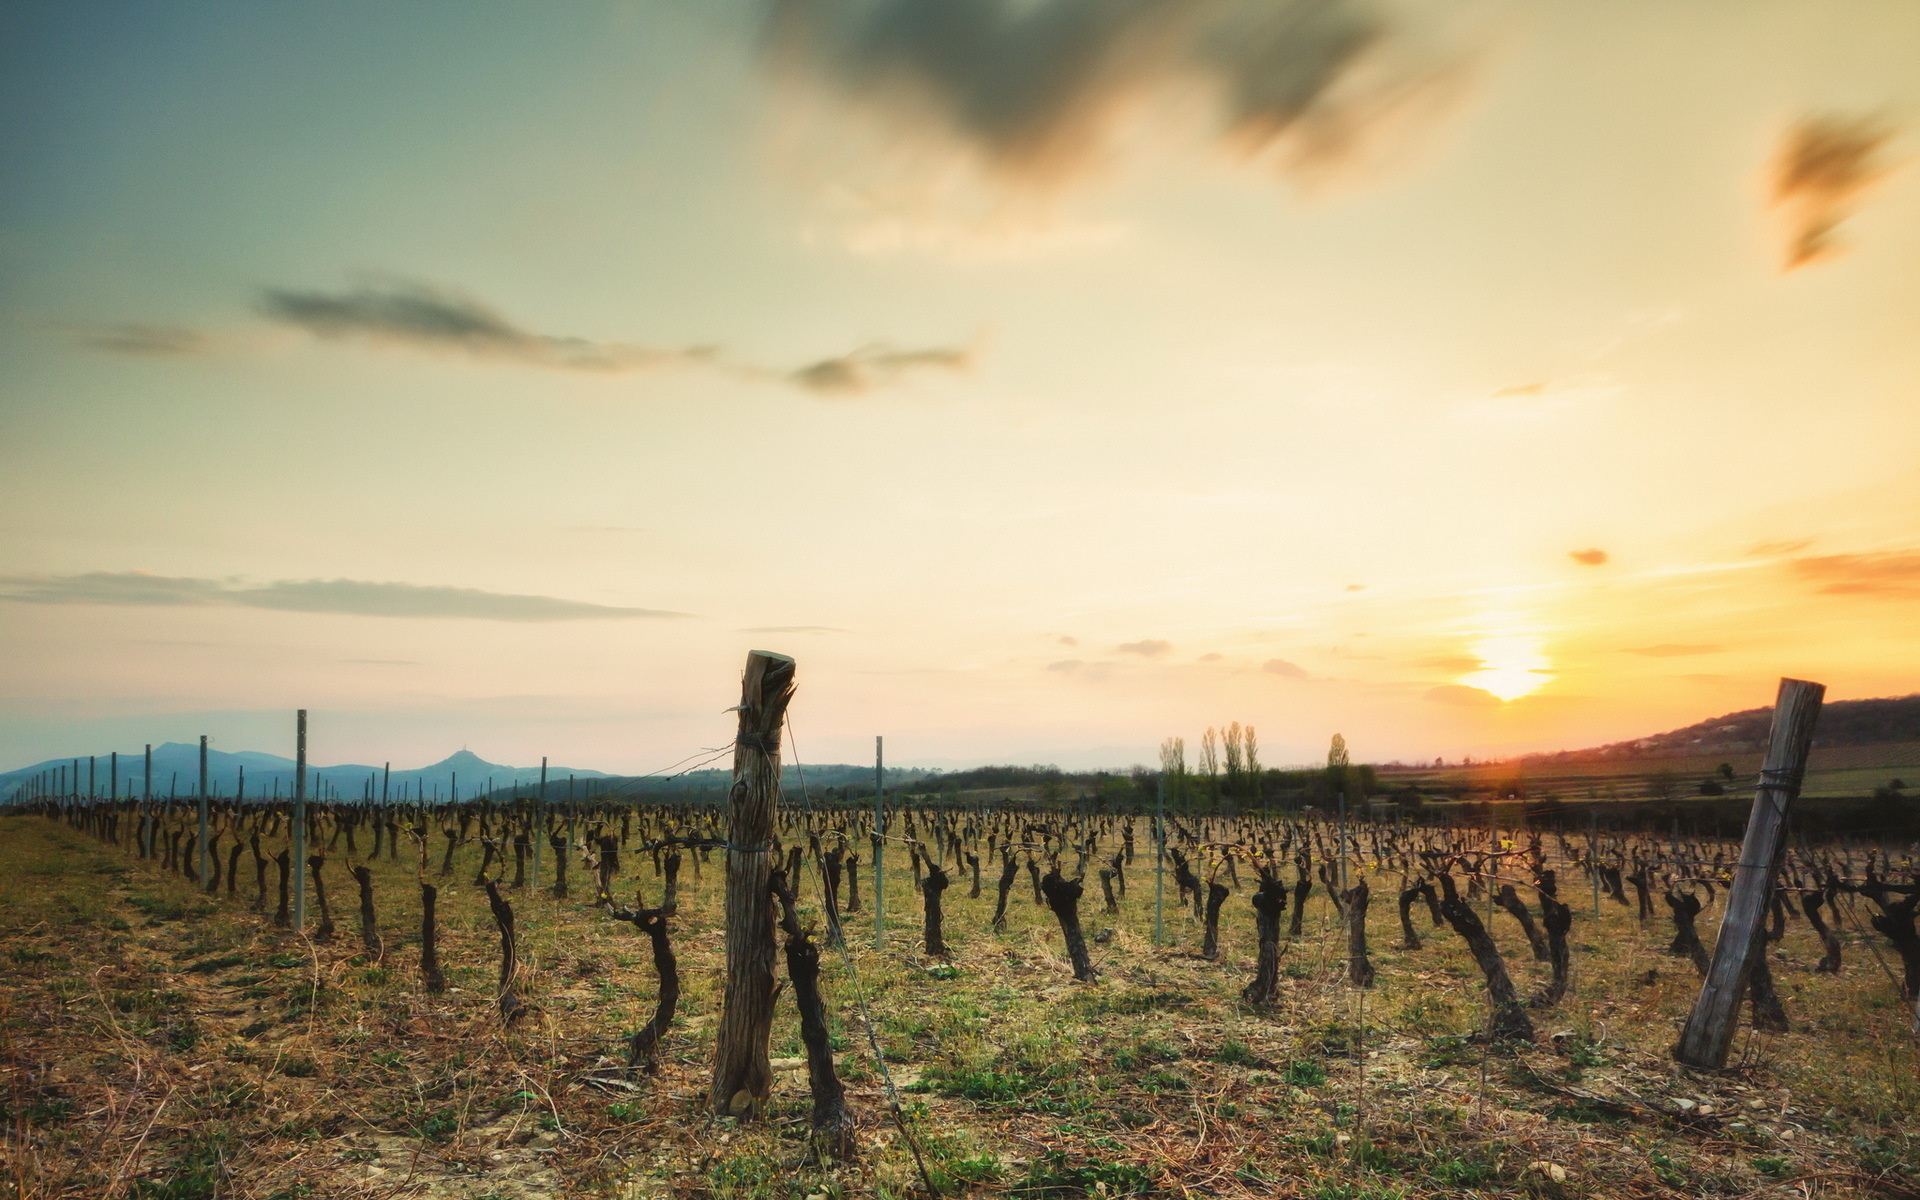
[1048, 377]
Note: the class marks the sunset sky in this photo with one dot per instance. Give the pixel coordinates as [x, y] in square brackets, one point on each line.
[1049, 377]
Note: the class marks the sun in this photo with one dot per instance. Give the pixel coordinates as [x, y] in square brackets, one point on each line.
[1511, 666]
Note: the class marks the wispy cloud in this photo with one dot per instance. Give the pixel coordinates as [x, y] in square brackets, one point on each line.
[872, 367]
[1672, 650]
[795, 629]
[1462, 696]
[1284, 669]
[344, 596]
[1886, 573]
[1593, 557]
[140, 340]
[1037, 90]
[1825, 167]
[1145, 648]
[423, 317]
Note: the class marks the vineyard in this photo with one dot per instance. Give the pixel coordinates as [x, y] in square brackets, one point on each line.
[512, 998]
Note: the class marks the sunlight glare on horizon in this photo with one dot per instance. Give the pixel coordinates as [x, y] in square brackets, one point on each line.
[1512, 665]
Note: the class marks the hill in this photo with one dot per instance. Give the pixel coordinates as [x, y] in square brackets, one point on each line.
[1843, 723]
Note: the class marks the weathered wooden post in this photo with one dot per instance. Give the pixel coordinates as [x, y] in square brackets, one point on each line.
[742, 1072]
[1160, 861]
[539, 822]
[201, 878]
[1709, 1030]
[299, 830]
[879, 846]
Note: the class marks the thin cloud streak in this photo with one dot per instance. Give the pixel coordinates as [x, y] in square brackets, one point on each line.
[424, 318]
[137, 340]
[351, 597]
[427, 318]
[872, 367]
[1886, 573]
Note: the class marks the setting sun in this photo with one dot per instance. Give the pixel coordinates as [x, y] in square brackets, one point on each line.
[1511, 666]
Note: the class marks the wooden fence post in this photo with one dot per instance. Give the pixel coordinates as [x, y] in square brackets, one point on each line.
[298, 833]
[742, 1070]
[1709, 1030]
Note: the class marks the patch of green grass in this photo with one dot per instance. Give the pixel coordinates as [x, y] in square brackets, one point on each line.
[1774, 1168]
[1133, 1003]
[195, 1175]
[299, 1068]
[1305, 1072]
[1236, 1054]
[1669, 1171]
[160, 908]
[1056, 1176]
[747, 1175]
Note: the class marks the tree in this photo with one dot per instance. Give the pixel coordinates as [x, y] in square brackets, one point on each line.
[1339, 773]
[1233, 743]
[1210, 763]
[1250, 763]
[1173, 768]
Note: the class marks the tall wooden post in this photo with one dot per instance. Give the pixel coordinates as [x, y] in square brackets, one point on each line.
[1160, 861]
[1709, 1030]
[539, 825]
[299, 830]
[113, 774]
[742, 1072]
[201, 878]
[879, 847]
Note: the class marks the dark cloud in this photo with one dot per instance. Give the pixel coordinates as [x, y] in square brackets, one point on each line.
[346, 596]
[1284, 669]
[1588, 558]
[1883, 574]
[1826, 165]
[1037, 88]
[872, 367]
[429, 318]
[1462, 696]
[1672, 650]
[141, 341]
[1146, 648]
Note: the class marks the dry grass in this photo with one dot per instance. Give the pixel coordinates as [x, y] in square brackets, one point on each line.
[161, 1045]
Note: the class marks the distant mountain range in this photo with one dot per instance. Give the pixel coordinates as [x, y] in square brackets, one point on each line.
[1842, 723]
[176, 771]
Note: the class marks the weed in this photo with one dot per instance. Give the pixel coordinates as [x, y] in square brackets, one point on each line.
[1305, 1072]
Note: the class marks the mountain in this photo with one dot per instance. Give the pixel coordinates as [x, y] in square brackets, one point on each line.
[176, 771]
[1842, 723]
